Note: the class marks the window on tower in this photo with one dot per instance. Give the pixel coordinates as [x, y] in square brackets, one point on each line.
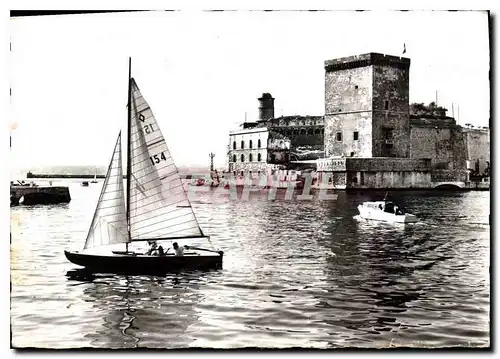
[356, 135]
[250, 144]
[234, 145]
[386, 105]
[242, 158]
[339, 136]
[242, 145]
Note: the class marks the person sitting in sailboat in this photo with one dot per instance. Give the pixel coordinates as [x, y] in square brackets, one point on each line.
[179, 251]
[161, 252]
[153, 248]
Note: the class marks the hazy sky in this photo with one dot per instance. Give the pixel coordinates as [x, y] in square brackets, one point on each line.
[201, 71]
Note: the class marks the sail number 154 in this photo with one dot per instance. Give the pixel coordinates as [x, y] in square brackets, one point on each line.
[155, 159]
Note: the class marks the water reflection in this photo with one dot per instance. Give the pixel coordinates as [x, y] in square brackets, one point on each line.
[141, 312]
[295, 274]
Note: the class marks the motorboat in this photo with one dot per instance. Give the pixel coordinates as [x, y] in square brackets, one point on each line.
[387, 211]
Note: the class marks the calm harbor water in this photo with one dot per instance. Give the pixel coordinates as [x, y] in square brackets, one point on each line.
[295, 274]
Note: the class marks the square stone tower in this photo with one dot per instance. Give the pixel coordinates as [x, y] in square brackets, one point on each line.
[367, 106]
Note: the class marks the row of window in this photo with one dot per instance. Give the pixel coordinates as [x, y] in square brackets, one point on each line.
[355, 136]
[303, 132]
[250, 158]
[296, 123]
[250, 144]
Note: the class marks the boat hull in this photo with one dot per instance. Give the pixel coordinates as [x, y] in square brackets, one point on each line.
[379, 215]
[143, 264]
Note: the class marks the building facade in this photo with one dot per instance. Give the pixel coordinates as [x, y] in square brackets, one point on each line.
[374, 172]
[477, 143]
[303, 131]
[248, 149]
[440, 139]
[367, 106]
[282, 139]
[367, 127]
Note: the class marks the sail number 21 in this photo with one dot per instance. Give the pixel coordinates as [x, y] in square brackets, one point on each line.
[155, 159]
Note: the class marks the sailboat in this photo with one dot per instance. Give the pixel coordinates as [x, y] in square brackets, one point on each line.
[154, 207]
[95, 176]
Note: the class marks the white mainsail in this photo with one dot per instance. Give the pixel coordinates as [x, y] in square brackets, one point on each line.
[159, 206]
[109, 225]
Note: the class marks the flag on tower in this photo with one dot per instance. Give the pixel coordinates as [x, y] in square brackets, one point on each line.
[404, 48]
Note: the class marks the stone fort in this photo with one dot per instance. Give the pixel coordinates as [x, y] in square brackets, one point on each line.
[368, 138]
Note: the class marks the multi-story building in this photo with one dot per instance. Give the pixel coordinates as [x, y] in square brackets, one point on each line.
[248, 149]
[278, 140]
[367, 127]
[367, 106]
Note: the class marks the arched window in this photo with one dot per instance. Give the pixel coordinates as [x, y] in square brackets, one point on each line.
[303, 132]
[250, 157]
[259, 157]
[322, 131]
[295, 132]
[310, 131]
[250, 144]
[242, 144]
[234, 145]
[317, 132]
[242, 157]
[234, 158]
[258, 143]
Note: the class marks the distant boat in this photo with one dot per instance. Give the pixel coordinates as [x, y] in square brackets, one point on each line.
[154, 207]
[95, 177]
[85, 183]
[386, 211]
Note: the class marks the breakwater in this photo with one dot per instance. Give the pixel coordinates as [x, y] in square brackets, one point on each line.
[29, 195]
[82, 176]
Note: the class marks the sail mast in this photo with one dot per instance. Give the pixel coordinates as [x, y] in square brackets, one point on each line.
[129, 136]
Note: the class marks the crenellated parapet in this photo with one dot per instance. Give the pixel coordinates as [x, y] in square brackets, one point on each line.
[368, 59]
